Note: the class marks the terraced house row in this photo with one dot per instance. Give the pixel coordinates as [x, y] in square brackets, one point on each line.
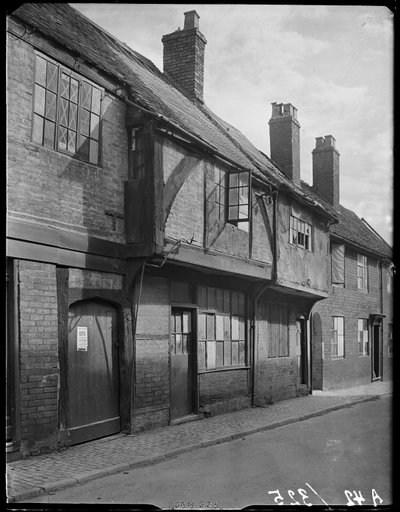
[160, 268]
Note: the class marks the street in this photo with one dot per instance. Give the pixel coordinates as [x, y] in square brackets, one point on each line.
[340, 458]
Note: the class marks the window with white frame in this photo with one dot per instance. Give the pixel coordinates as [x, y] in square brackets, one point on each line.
[362, 272]
[363, 338]
[300, 233]
[221, 328]
[337, 339]
[66, 111]
[239, 199]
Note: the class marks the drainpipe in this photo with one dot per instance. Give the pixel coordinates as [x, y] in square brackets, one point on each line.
[274, 277]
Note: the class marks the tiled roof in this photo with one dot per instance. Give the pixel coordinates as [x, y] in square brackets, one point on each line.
[150, 87]
[351, 229]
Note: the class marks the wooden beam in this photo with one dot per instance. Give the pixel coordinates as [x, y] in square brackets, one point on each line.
[38, 252]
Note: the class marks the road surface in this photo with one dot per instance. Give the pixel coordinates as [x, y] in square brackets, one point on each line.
[340, 458]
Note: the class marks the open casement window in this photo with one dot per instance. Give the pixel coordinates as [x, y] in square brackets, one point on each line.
[66, 112]
[337, 338]
[220, 193]
[337, 264]
[363, 339]
[137, 152]
[221, 328]
[362, 272]
[300, 233]
[239, 199]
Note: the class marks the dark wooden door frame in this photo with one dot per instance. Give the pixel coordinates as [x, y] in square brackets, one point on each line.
[376, 327]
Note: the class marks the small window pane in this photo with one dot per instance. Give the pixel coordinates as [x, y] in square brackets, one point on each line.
[52, 76]
[219, 327]
[94, 126]
[178, 343]
[185, 322]
[211, 354]
[233, 180]
[243, 211]
[51, 102]
[37, 134]
[219, 357]
[201, 322]
[49, 130]
[234, 196]
[71, 141]
[233, 212]
[242, 353]
[235, 353]
[96, 99]
[86, 95]
[85, 116]
[74, 90]
[227, 328]
[185, 344]
[40, 76]
[243, 195]
[39, 99]
[73, 116]
[201, 355]
[235, 328]
[210, 327]
[227, 353]
[62, 138]
[64, 85]
[178, 323]
[242, 326]
[244, 179]
[84, 147]
[94, 152]
[64, 112]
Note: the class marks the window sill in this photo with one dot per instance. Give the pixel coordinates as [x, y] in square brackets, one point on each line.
[224, 369]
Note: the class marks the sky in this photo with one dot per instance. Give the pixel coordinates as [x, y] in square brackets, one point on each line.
[333, 63]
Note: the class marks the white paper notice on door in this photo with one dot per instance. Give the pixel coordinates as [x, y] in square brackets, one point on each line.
[82, 339]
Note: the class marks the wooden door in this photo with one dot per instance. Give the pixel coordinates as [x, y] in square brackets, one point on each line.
[181, 363]
[93, 371]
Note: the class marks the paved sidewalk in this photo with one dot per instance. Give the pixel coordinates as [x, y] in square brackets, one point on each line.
[76, 465]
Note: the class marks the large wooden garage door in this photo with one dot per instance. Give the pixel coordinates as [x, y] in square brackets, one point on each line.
[93, 371]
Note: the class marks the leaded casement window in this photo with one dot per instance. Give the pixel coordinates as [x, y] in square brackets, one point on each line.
[137, 152]
[390, 340]
[337, 264]
[363, 337]
[277, 330]
[300, 233]
[362, 272]
[221, 327]
[239, 199]
[66, 112]
[220, 193]
[337, 338]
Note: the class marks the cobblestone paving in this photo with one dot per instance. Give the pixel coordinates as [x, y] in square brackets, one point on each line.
[34, 474]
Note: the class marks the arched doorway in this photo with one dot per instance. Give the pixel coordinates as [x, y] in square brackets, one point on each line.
[92, 371]
[317, 363]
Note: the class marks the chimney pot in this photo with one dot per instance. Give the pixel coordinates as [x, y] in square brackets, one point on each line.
[326, 169]
[191, 20]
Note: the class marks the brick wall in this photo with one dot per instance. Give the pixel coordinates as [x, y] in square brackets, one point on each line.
[76, 193]
[39, 372]
[152, 354]
[276, 377]
[352, 304]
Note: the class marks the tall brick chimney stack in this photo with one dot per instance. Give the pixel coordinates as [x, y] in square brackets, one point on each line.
[284, 135]
[184, 56]
[326, 169]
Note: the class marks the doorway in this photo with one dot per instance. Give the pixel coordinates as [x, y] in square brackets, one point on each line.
[301, 324]
[376, 353]
[182, 365]
[93, 371]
